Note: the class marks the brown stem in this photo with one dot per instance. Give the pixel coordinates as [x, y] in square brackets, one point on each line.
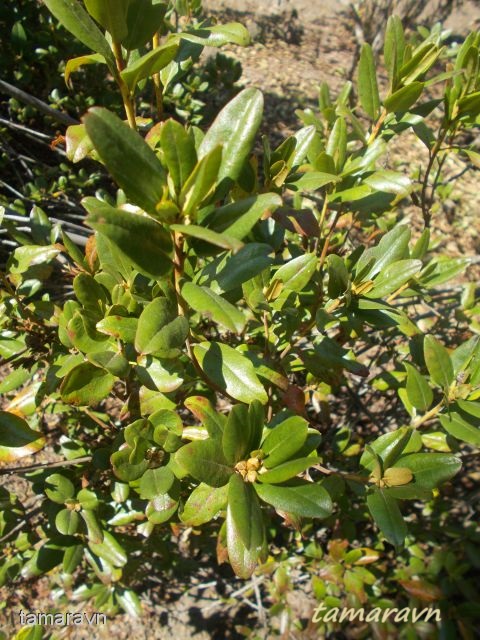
[126, 97]
[377, 127]
[157, 83]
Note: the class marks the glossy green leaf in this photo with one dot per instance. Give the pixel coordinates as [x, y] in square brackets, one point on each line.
[460, 428]
[386, 513]
[245, 528]
[390, 182]
[204, 460]
[129, 159]
[248, 262]
[388, 447]
[230, 371]
[219, 35]
[284, 440]
[86, 384]
[179, 152]
[287, 470]
[211, 305]
[17, 439]
[212, 237]
[297, 273]
[160, 330]
[201, 182]
[67, 522]
[367, 83]
[203, 410]
[119, 327]
[438, 362]
[235, 128]
[418, 390]
[149, 64]
[59, 488]
[113, 362]
[430, 469]
[144, 19]
[394, 277]
[110, 550]
[75, 19]
[155, 482]
[74, 64]
[404, 98]
[203, 504]
[394, 48]
[307, 500]
[111, 15]
[144, 242]
[236, 439]
[238, 218]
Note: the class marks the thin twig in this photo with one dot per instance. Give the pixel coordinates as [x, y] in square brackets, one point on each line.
[41, 106]
[46, 465]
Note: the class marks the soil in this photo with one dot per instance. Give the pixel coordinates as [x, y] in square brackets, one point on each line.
[290, 56]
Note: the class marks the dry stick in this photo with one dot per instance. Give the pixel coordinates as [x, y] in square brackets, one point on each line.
[26, 98]
[47, 465]
[21, 524]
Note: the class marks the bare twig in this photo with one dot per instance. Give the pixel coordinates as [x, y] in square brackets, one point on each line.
[41, 106]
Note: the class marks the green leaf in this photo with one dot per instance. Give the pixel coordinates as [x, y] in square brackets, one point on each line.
[313, 180]
[75, 63]
[404, 98]
[367, 83]
[336, 146]
[155, 482]
[418, 390]
[212, 237]
[238, 218]
[144, 242]
[230, 371]
[204, 460]
[287, 470]
[385, 512]
[203, 504]
[394, 48]
[149, 64]
[392, 247]
[248, 262]
[210, 305]
[112, 361]
[219, 35]
[393, 277]
[119, 327]
[430, 469]
[75, 19]
[297, 273]
[110, 550]
[144, 19]
[284, 440]
[236, 437]
[388, 447]
[243, 503]
[307, 500]
[201, 181]
[438, 362]
[461, 429]
[86, 384]
[179, 152]
[338, 277]
[129, 159]
[17, 439]
[156, 375]
[202, 409]
[111, 15]
[160, 330]
[129, 601]
[235, 128]
[58, 488]
[67, 522]
[390, 182]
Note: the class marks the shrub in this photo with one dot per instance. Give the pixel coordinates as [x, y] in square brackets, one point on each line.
[218, 305]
